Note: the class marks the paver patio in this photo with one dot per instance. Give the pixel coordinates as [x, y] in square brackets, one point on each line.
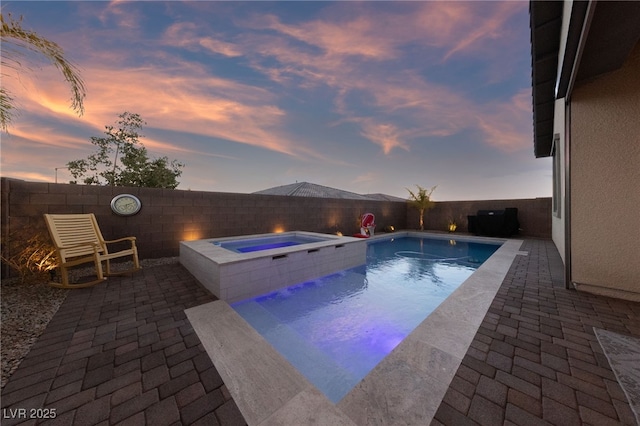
[123, 352]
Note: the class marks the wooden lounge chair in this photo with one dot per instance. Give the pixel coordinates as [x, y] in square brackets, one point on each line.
[77, 239]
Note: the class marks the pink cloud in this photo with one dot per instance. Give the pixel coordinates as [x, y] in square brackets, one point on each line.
[354, 37]
[115, 12]
[377, 33]
[507, 125]
[424, 108]
[351, 56]
[181, 98]
[185, 34]
[388, 136]
[486, 31]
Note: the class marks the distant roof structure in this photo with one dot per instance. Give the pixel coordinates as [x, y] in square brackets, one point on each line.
[306, 189]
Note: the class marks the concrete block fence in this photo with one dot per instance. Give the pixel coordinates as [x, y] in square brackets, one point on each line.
[170, 216]
[534, 215]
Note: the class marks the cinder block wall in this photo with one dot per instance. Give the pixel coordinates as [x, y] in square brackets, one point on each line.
[534, 215]
[170, 216]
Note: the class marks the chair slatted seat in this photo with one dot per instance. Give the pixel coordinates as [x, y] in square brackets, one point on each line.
[77, 239]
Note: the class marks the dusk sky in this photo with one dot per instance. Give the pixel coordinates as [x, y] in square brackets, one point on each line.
[369, 97]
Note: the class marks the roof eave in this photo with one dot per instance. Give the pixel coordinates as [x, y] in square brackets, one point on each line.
[600, 37]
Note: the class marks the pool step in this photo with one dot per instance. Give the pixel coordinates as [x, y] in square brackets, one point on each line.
[330, 378]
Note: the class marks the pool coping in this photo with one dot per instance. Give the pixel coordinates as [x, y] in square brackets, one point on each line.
[205, 247]
[406, 387]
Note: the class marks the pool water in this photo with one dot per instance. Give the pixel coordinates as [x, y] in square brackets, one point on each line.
[336, 329]
[266, 243]
[269, 246]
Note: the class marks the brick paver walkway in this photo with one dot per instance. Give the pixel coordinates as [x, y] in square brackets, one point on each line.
[535, 359]
[123, 352]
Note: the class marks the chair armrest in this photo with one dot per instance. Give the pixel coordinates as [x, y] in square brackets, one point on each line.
[132, 239]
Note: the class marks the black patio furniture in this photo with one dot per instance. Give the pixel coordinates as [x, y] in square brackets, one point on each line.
[494, 223]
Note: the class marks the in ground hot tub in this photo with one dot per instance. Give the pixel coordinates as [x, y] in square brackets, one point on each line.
[246, 245]
[237, 268]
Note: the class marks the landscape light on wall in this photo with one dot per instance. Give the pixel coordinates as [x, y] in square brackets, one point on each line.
[191, 235]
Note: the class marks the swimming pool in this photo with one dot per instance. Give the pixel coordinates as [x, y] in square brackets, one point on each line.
[406, 387]
[336, 329]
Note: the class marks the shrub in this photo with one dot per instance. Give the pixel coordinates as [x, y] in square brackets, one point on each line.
[30, 253]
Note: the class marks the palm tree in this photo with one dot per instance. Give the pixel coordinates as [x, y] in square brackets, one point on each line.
[12, 33]
[421, 200]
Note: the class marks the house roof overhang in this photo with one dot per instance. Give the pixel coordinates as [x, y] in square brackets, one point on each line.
[599, 37]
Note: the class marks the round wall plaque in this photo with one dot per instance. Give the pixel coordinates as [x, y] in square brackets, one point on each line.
[125, 204]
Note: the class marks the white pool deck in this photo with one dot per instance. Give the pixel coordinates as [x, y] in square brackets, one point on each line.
[405, 388]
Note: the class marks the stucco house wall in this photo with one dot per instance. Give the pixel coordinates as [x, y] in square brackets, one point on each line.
[605, 182]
